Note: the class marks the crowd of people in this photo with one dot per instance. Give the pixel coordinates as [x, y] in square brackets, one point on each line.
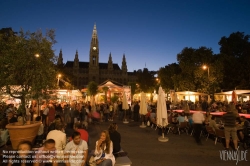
[63, 131]
[63, 135]
[231, 123]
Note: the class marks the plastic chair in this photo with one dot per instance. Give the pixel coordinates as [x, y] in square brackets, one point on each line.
[210, 131]
[220, 134]
[183, 126]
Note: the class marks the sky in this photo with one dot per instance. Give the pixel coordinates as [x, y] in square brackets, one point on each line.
[149, 32]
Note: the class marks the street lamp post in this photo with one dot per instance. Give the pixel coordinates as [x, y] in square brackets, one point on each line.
[38, 103]
[205, 67]
[58, 78]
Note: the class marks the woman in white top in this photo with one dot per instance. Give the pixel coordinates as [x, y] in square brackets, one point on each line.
[104, 150]
[60, 139]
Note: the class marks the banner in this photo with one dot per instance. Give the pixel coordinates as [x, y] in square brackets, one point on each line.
[127, 90]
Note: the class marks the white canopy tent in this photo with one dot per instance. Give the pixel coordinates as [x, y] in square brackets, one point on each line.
[188, 95]
[242, 95]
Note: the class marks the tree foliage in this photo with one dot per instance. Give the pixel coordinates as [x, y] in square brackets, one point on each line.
[146, 80]
[92, 88]
[188, 73]
[27, 63]
[167, 74]
[235, 57]
[66, 77]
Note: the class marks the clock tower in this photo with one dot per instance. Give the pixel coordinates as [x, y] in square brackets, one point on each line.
[94, 57]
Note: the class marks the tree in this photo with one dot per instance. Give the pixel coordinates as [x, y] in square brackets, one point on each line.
[192, 76]
[133, 88]
[92, 88]
[146, 80]
[166, 75]
[67, 79]
[27, 64]
[114, 99]
[234, 54]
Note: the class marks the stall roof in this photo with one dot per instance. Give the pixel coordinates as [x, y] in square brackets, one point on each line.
[190, 93]
[238, 92]
[112, 85]
[77, 93]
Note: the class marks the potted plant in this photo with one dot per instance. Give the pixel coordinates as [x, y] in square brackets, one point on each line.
[28, 62]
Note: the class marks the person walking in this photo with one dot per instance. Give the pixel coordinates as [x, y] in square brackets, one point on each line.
[198, 119]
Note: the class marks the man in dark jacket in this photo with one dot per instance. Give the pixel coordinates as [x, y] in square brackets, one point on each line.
[229, 120]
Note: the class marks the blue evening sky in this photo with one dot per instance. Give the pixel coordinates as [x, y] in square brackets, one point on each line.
[149, 32]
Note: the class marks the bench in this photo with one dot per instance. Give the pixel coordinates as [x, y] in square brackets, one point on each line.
[119, 161]
[123, 161]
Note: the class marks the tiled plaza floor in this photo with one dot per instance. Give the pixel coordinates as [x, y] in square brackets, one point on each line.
[144, 149]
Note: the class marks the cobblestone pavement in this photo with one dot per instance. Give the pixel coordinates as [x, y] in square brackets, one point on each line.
[144, 149]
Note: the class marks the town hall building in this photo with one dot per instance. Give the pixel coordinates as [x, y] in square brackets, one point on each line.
[85, 72]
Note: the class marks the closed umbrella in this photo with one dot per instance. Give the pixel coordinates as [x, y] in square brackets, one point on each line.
[234, 97]
[143, 108]
[125, 106]
[162, 120]
[226, 100]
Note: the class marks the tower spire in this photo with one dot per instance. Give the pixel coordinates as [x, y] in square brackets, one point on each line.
[76, 60]
[60, 58]
[110, 62]
[94, 56]
[124, 64]
[94, 33]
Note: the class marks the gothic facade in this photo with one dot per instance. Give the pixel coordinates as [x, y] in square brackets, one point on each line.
[84, 72]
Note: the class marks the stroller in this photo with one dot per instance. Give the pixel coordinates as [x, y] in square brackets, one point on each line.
[95, 117]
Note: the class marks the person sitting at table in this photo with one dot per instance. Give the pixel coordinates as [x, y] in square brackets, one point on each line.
[174, 123]
[242, 127]
[180, 118]
[207, 118]
[190, 123]
[213, 124]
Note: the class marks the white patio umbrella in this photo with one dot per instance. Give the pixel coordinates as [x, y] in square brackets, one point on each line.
[162, 120]
[125, 106]
[143, 108]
